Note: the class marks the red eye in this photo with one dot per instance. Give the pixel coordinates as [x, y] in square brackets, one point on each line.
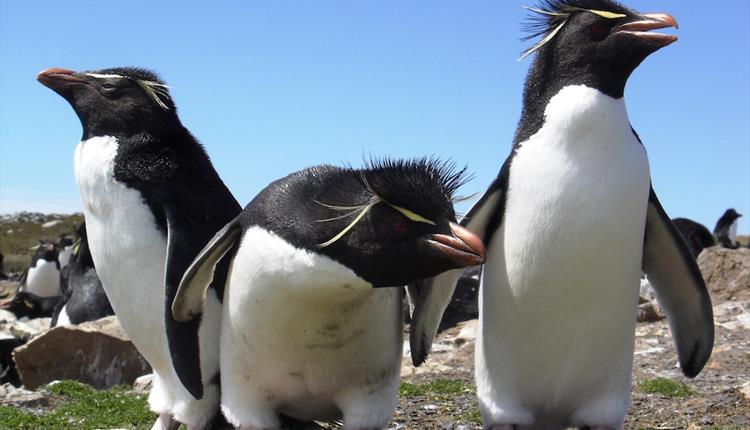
[597, 29]
[400, 228]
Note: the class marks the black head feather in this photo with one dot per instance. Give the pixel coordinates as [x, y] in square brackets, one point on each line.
[417, 184]
[550, 14]
[377, 220]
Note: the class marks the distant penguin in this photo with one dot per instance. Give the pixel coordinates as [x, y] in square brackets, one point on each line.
[307, 330]
[42, 276]
[65, 248]
[3, 276]
[39, 289]
[84, 298]
[151, 200]
[726, 229]
[697, 236]
[556, 331]
[27, 305]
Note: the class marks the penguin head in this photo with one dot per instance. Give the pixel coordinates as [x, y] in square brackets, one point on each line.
[597, 43]
[731, 214]
[46, 251]
[23, 304]
[119, 101]
[393, 222]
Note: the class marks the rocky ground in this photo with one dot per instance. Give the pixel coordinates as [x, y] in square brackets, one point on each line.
[440, 394]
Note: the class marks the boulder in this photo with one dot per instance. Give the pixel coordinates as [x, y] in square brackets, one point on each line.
[464, 303]
[727, 273]
[97, 353]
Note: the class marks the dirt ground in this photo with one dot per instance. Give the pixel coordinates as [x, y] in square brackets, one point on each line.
[717, 401]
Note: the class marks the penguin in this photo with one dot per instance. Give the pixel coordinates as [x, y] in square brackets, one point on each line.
[42, 276]
[84, 298]
[151, 200]
[726, 229]
[65, 249]
[310, 328]
[555, 337]
[27, 305]
[697, 236]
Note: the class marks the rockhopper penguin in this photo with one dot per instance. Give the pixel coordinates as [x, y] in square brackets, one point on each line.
[556, 329]
[151, 200]
[307, 331]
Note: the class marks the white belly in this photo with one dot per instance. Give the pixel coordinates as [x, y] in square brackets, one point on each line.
[303, 335]
[43, 280]
[128, 249]
[560, 287]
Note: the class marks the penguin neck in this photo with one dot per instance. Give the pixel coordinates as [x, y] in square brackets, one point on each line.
[548, 76]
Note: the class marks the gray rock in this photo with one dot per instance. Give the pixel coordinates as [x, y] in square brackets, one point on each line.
[97, 353]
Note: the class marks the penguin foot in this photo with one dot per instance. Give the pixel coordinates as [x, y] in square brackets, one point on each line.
[165, 422]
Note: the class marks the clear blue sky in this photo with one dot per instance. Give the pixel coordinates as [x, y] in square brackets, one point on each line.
[271, 87]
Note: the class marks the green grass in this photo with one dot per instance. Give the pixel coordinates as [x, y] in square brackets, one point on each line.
[82, 407]
[443, 391]
[438, 389]
[667, 387]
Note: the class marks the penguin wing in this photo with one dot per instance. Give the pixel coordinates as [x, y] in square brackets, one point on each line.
[431, 297]
[184, 240]
[680, 288]
[188, 301]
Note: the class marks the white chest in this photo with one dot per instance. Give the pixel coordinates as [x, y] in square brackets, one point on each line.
[43, 279]
[128, 249]
[733, 232]
[577, 196]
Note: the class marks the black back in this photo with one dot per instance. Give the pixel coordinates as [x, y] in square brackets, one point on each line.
[696, 235]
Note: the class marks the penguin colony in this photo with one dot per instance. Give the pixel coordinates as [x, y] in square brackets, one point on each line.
[292, 306]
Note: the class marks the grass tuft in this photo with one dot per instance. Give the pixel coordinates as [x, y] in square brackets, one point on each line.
[666, 387]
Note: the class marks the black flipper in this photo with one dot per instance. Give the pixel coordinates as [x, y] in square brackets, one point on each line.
[680, 288]
[188, 301]
[431, 297]
[185, 238]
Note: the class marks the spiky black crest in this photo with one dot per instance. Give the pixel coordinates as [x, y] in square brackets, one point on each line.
[415, 184]
[550, 15]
